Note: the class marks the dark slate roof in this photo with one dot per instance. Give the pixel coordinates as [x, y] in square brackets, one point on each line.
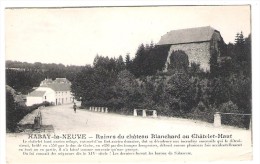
[36, 94]
[58, 86]
[189, 35]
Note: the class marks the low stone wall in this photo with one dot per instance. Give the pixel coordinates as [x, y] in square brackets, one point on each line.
[29, 118]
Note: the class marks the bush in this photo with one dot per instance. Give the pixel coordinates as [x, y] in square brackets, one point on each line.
[202, 113]
[14, 112]
[201, 106]
[231, 119]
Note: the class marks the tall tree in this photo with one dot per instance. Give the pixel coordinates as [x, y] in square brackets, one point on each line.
[120, 64]
[127, 91]
[127, 61]
[137, 65]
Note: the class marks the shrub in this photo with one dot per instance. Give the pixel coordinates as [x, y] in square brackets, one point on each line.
[202, 113]
[201, 106]
[231, 119]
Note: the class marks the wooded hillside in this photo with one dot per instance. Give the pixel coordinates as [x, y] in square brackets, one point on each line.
[183, 91]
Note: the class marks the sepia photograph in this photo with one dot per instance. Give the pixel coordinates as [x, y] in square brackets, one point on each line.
[128, 84]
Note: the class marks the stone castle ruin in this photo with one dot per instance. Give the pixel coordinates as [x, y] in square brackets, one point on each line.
[198, 43]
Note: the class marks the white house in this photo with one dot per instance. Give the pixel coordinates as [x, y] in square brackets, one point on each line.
[55, 91]
[40, 95]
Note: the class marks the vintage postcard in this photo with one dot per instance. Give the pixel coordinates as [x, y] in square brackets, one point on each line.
[91, 84]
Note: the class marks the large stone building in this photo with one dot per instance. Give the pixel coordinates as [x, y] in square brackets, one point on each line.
[198, 43]
[55, 91]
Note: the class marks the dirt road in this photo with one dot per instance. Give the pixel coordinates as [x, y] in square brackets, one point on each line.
[65, 120]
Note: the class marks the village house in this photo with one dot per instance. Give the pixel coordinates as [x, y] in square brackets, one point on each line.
[198, 43]
[56, 92]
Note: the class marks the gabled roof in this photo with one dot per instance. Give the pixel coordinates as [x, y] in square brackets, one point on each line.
[36, 94]
[189, 35]
[58, 86]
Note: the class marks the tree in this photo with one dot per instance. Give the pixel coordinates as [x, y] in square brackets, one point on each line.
[214, 65]
[83, 83]
[94, 85]
[128, 95]
[120, 65]
[219, 91]
[225, 67]
[194, 69]
[148, 60]
[179, 61]
[137, 65]
[10, 112]
[241, 95]
[127, 62]
[181, 93]
[230, 107]
[14, 112]
[239, 39]
[25, 76]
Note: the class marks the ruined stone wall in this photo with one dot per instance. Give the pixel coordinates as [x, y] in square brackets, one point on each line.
[197, 52]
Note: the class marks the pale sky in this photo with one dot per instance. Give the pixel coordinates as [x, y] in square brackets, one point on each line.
[74, 36]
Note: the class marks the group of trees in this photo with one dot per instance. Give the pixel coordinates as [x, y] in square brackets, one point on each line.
[149, 60]
[23, 76]
[183, 91]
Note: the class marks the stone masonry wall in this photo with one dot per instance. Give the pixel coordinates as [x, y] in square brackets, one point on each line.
[197, 52]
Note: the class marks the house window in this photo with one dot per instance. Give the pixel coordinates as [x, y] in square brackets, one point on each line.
[45, 97]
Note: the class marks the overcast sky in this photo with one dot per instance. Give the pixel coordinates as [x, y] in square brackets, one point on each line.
[74, 36]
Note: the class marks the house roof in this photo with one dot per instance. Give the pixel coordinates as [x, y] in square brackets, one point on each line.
[61, 80]
[189, 35]
[36, 93]
[46, 81]
[58, 86]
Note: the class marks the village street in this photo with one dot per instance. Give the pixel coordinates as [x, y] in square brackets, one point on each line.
[65, 121]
